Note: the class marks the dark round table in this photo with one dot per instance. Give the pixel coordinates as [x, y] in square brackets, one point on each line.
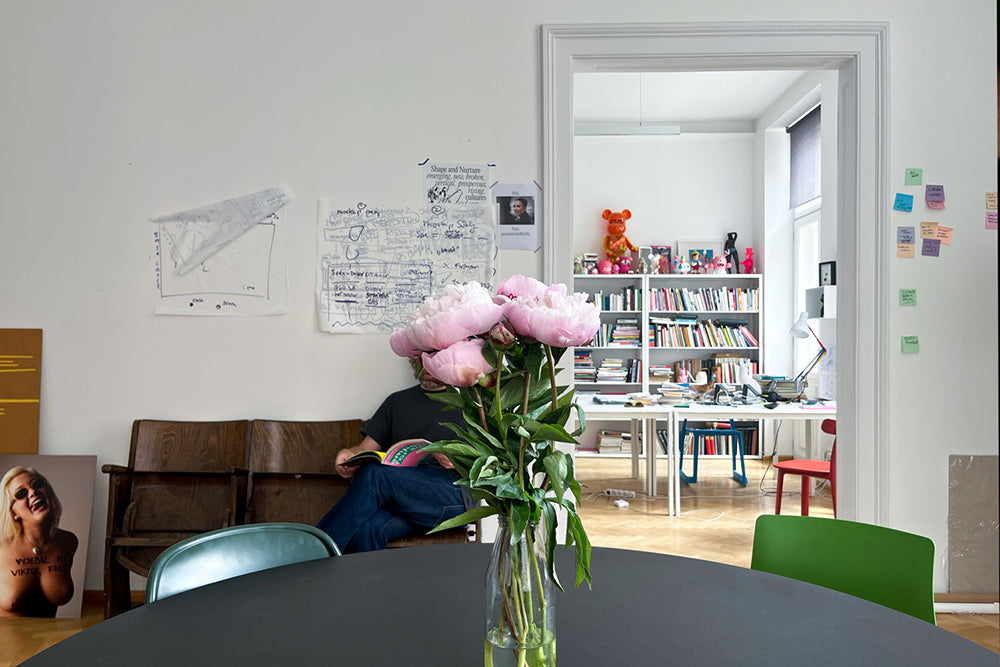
[424, 606]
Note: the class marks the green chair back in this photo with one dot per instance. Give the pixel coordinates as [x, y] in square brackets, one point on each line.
[886, 566]
[230, 552]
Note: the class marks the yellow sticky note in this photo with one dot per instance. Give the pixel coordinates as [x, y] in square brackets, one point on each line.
[943, 234]
[906, 250]
[910, 344]
[928, 230]
[991, 201]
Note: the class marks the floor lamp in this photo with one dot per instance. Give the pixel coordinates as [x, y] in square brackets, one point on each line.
[801, 329]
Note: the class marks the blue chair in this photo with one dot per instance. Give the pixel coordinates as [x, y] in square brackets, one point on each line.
[231, 552]
[699, 437]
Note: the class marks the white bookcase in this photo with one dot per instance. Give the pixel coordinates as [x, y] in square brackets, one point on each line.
[712, 301]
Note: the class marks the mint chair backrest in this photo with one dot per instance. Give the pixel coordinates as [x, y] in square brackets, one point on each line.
[889, 567]
[230, 552]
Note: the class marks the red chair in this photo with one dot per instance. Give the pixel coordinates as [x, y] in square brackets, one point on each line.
[809, 468]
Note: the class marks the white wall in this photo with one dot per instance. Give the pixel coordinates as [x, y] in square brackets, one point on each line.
[119, 110]
[696, 187]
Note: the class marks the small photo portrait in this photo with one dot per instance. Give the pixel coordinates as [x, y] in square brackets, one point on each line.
[516, 210]
[44, 533]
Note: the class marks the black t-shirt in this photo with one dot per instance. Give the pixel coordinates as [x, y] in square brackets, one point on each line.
[410, 413]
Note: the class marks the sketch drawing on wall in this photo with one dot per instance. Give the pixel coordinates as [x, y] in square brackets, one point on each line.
[220, 259]
[378, 263]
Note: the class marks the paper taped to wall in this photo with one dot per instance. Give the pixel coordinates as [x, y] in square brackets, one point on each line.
[377, 264]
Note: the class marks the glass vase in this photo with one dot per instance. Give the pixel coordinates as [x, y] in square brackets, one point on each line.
[520, 604]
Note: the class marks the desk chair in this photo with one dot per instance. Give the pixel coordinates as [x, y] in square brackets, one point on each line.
[889, 567]
[230, 552]
[700, 434]
[808, 468]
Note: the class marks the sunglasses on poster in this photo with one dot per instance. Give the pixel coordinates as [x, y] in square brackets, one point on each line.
[36, 485]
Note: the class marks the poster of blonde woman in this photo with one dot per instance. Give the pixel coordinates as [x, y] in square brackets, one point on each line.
[44, 532]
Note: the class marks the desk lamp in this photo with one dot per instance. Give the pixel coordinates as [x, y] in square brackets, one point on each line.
[801, 329]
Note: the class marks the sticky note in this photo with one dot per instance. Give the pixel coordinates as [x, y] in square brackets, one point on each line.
[910, 344]
[905, 235]
[991, 201]
[907, 297]
[931, 248]
[904, 202]
[991, 219]
[934, 193]
[906, 250]
[928, 230]
[914, 176]
[943, 234]
[937, 205]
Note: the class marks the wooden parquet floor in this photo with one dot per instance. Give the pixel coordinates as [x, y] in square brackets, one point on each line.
[716, 524]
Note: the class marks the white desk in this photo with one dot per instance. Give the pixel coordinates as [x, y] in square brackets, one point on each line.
[648, 415]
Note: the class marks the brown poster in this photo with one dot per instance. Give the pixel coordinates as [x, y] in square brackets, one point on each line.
[20, 388]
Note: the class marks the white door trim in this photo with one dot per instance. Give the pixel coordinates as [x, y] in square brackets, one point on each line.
[860, 52]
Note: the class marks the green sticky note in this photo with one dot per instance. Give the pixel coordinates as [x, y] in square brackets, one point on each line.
[911, 344]
[907, 297]
[914, 176]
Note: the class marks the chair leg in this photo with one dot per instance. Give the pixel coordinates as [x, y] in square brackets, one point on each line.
[736, 443]
[117, 585]
[692, 478]
[805, 494]
[777, 499]
[833, 492]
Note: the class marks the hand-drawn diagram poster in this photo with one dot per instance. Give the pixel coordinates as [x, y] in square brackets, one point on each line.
[20, 389]
[378, 263]
[220, 259]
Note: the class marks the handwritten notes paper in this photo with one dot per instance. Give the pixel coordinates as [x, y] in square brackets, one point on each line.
[904, 202]
[456, 183]
[930, 248]
[991, 219]
[914, 176]
[907, 297]
[377, 264]
[934, 195]
[910, 344]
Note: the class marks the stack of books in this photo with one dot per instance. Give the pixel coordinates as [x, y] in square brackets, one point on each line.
[612, 370]
[609, 442]
[625, 332]
[583, 367]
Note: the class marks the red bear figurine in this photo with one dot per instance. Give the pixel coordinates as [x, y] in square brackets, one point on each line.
[616, 244]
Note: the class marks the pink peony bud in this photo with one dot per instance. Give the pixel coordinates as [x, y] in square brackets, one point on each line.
[555, 319]
[501, 336]
[460, 365]
[401, 344]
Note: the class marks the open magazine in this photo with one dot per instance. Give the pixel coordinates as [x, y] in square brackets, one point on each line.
[403, 453]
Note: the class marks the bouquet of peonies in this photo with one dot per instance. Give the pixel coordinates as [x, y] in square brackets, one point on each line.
[498, 356]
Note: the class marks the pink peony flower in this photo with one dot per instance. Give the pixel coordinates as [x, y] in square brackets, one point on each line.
[462, 311]
[524, 287]
[555, 319]
[460, 365]
[401, 344]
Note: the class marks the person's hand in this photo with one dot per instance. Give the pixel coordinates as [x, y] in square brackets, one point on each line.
[443, 460]
[347, 472]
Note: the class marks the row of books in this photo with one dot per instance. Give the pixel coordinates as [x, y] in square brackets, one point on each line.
[716, 368]
[664, 332]
[718, 446]
[627, 298]
[623, 332]
[704, 299]
[611, 369]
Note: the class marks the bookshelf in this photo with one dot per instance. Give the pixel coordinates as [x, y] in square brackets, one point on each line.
[653, 325]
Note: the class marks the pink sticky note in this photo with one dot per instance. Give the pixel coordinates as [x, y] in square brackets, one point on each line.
[935, 204]
[991, 219]
[943, 234]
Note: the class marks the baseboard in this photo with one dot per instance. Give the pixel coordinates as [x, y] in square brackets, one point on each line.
[967, 598]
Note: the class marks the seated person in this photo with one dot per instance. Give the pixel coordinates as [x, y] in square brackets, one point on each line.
[36, 556]
[385, 503]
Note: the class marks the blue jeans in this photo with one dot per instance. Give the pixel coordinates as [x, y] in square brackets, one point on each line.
[384, 503]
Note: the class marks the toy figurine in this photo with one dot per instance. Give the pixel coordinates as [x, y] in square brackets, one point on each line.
[604, 266]
[578, 265]
[616, 244]
[695, 261]
[681, 264]
[748, 262]
[664, 264]
[643, 265]
[731, 255]
[624, 265]
[718, 266]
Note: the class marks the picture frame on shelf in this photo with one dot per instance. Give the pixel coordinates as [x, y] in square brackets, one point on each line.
[827, 273]
[658, 258]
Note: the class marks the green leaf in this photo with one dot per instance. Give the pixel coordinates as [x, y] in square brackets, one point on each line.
[550, 541]
[557, 470]
[582, 550]
[475, 514]
[450, 398]
[519, 515]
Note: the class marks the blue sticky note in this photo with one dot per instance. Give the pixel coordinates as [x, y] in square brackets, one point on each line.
[931, 248]
[905, 235]
[904, 202]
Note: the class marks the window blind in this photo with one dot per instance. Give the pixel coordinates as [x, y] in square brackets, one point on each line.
[804, 139]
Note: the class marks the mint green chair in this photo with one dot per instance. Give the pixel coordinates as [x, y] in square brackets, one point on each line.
[889, 567]
[230, 552]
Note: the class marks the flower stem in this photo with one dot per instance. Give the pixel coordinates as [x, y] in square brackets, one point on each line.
[552, 376]
[479, 404]
[523, 442]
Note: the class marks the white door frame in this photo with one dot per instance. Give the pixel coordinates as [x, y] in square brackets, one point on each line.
[860, 53]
